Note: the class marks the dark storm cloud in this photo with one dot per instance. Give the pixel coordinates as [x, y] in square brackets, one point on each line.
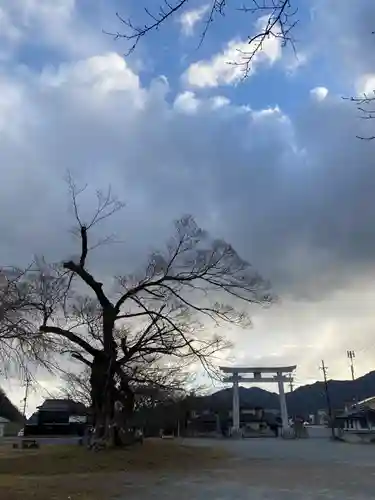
[344, 31]
[295, 195]
[296, 198]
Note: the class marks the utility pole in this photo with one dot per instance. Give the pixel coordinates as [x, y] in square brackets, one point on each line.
[351, 356]
[328, 399]
[291, 384]
[26, 396]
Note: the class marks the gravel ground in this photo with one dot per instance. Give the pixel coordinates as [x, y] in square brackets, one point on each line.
[314, 450]
[270, 469]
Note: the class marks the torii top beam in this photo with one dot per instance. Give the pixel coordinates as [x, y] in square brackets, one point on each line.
[256, 369]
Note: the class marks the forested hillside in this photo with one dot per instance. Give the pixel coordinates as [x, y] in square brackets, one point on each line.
[8, 410]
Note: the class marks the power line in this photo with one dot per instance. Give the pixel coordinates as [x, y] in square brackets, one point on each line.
[328, 399]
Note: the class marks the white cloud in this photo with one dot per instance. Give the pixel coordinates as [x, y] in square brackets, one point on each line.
[55, 24]
[189, 103]
[106, 73]
[319, 93]
[190, 18]
[366, 84]
[219, 101]
[273, 113]
[227, 67]
[294, 61]
[186, 102]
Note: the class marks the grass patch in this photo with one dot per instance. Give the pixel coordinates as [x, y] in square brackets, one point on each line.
[74, 473]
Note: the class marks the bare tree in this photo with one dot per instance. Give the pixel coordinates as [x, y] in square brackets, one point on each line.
[20, 343]
[163, 314]
[280, 17]
[77, 386]
[150, 384]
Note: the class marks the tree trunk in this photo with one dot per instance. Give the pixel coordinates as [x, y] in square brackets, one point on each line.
[103, 398]
[112, 405]
[109, 386]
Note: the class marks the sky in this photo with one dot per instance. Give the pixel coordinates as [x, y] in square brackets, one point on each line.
[271, 163]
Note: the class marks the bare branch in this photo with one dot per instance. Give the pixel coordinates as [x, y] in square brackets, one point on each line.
[78, 356]
[20, 341]
[135, 34]
[88, 278]
[75, 339]
[106, 206]
[279, 23]
[278, 16]
[365, 105]
[77, 387]
[74, 194]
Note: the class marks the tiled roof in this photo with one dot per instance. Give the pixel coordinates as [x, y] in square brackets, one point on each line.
[62, 405]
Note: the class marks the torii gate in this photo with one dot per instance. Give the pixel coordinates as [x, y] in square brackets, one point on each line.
[279, 375]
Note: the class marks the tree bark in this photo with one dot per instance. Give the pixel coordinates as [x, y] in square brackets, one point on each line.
[102, 382]
[111, 421]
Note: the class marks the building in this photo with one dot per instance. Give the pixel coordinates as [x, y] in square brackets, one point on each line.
[3, 423]
[253, 422]
[358, 420]
[58, 417]
[204, 423]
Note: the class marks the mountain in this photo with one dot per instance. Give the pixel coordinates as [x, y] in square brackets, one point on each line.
[310, 398]
[8, 410]
[304, 400]
[252, 396]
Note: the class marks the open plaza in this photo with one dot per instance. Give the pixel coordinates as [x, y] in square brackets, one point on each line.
[220, 469]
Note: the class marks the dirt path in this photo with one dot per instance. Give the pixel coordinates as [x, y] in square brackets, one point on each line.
[253, 469]
[258, 484]
[270, 469]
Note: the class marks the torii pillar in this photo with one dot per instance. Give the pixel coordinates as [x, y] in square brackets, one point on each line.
[236, 404]
[282, 398]
[281, 375]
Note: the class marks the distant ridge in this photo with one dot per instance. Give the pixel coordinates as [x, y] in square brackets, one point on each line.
[8, 410]
[304, 400]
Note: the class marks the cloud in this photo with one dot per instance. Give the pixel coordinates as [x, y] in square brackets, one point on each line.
[348, 32]
[187, 102]
[292, 191]
[229, 66]
[366, 85]
[9, 32]
[283, 191]
[319, 93]
[295, 61]
[45, 29]
[190, 18]
[104, 74]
